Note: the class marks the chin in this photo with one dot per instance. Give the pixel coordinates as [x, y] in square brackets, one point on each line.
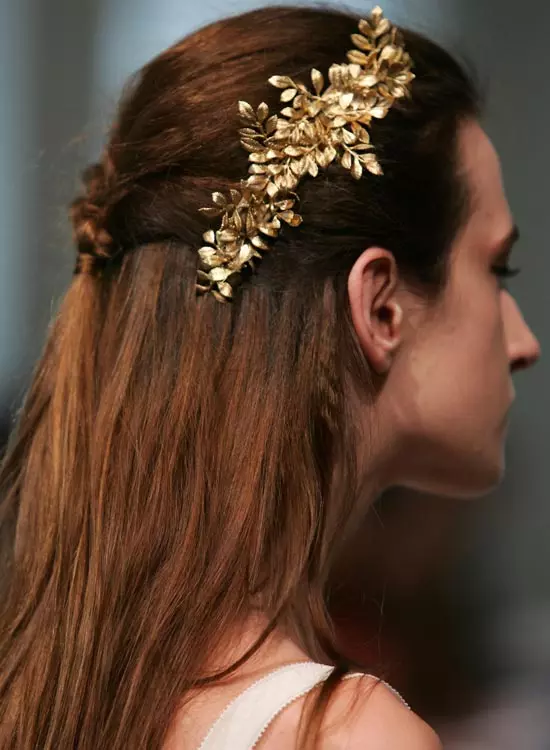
[477, 480]
[465, 479]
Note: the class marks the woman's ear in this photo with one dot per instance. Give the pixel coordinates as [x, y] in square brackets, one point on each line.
[376, 312]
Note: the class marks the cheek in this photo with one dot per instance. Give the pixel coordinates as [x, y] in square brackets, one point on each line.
[472, 324]
[459, 366]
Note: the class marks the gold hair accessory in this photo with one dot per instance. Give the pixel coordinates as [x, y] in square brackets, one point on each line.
[316, 130]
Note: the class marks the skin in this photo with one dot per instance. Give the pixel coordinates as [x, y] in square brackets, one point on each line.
[440, 414]
[447, 365]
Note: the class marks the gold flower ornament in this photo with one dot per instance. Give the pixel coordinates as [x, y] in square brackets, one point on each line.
[313, 130]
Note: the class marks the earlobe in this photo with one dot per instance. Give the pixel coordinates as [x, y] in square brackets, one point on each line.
[376, 312]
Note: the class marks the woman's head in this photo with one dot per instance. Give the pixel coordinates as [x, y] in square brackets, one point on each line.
[180, 460]
[176, 141]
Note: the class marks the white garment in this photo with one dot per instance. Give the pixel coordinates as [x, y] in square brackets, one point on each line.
[246, 718]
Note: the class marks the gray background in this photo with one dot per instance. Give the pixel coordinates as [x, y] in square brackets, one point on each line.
[61, 67]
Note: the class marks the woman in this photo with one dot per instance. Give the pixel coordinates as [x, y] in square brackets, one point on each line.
[203, 430]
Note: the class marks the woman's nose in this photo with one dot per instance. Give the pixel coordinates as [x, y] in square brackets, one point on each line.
[523, 346]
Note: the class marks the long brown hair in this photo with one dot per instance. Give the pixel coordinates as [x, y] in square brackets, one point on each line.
[175, 457]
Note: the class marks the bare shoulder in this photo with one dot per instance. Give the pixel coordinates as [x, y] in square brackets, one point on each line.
[366, 713]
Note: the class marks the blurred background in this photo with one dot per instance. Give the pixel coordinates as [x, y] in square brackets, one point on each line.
[454, 597]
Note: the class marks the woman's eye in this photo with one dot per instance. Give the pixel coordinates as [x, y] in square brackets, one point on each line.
[504, 273]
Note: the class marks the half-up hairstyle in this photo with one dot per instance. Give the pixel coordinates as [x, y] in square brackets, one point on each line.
[177, 461]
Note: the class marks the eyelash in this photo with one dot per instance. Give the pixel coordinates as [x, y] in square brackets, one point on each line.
[504, 273]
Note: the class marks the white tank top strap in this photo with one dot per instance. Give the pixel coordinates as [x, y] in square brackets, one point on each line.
[243, 722]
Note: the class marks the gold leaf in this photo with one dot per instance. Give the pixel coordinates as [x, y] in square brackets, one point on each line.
[317, 80]
[256, 182]
[346, 99]
[287, 216]
[355, 70]
[339, 122]
[335, 75]
[225, 293]
[275, 168]
[312, 167]
[237, 221]
[359, 58]
[371, 163]
[300, 167]
[219, 199]
[297, 166]
[251, 146]
[320, 158]
[321, 130]
[398, 91]
[379, 112]
[259, 243]
[388, 52]
[348, 138]
[209, 236]
[404, 78]
[365, 117]
[288, 95]
[235, 195]
[363, 147]
[361, 132]
[268, 229]
[290, 181]
[249, 133]
[258, 157]
[285, 205]
[257, 169]
[310, 132]
[274, 154]
[296, 220]
[330, 154]
[288, 112]
[361, 42]
[227, 235]
[293, 151]
[314, 107]
[207, 255]
[281, 82]
[370, 80]
[272, 189]
[347, 160]
[262, 113]
[382, 27]
[246, 112]
[357, 169]
[250, 224]
[271, 125]
[220, 273]
[245, 253]
[398, 57]
[365, 27]
[211, 213]
[283, 127]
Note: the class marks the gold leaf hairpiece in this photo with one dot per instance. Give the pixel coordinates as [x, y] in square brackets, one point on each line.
[321, 127]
